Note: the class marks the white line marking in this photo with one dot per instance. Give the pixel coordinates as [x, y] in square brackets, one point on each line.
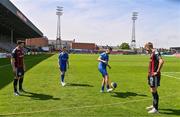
[71, 108]
[171, 76]
[4, 65]
[171, 72]
[82, 107]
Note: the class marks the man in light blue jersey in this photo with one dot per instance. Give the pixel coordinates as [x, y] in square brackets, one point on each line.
[103, 63]
[63, 64]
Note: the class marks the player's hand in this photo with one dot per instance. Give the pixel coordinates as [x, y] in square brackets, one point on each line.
[24, 69]
[155, 73]
[109, 66]
[105, 62]
[14, 71]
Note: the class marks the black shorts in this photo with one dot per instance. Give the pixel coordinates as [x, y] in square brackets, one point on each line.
[19, 72]
[154, 81]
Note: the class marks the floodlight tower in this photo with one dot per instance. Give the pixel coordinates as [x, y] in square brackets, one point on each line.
[58, 37]
[133, 40]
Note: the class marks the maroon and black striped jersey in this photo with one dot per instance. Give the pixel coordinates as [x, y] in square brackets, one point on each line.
[154, 62]
[18, 55]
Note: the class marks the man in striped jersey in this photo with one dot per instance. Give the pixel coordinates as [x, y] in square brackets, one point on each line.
[154, 75]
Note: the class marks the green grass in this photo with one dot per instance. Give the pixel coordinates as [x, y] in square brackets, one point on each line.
[81, 97]
[6, 75]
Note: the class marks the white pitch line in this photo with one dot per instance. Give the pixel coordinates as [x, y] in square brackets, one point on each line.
[171, 76]
[4, 65]
[82, 107]
[171, 72]
[71, 108]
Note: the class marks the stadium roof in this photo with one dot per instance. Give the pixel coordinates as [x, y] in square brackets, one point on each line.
[11, 18]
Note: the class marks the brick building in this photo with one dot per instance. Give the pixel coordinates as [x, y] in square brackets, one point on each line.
[85, 46]
[37, 42]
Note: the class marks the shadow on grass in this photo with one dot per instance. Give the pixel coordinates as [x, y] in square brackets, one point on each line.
[170, 111]
[6, 75]
[126, 94]
[79, 85]
[39, 96]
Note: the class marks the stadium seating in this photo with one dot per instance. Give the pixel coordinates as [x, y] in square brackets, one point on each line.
[7, 46]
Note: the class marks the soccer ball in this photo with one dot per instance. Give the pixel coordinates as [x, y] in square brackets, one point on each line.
[113, 85]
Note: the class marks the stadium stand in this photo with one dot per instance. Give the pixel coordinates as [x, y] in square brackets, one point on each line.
[7, 46]
[14, 25]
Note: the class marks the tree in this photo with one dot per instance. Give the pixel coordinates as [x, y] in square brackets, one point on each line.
[125, 46]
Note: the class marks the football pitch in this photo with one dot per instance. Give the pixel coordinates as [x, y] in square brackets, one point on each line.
[45, 96]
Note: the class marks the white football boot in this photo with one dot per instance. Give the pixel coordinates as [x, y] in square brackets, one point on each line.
[153, 111]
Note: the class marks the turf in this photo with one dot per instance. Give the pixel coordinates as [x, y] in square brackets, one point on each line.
[81, 97]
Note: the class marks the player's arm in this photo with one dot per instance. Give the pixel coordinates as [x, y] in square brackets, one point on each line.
[68, 61]
[13, 65]
[59, 62]
[24, 65]
[68, 64]
[109, 66]
[100, 60]
[161, 62]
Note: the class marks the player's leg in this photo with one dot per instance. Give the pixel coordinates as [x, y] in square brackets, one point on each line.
[155, 92]
[63, 70]
[21, 79]
[107, 83]
[106, 77]
[155, 100]
[155, 97]
[15, 86]
[153, 88]
[150, 83]
[103, 80]
[62, 78]
[16, 78]
[103, 84]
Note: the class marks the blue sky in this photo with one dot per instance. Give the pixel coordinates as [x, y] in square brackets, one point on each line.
[107, 22]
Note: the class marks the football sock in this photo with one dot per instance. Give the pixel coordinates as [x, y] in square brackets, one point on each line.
[107, 86]
[20, 83]
[62, 77]
[102, 88]
[155, 100]
[15, 84]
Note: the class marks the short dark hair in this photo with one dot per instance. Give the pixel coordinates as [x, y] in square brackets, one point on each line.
[20, 41]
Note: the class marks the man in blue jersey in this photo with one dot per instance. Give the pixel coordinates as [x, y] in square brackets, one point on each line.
[63, 64]
[103, 63]
[154, 75]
